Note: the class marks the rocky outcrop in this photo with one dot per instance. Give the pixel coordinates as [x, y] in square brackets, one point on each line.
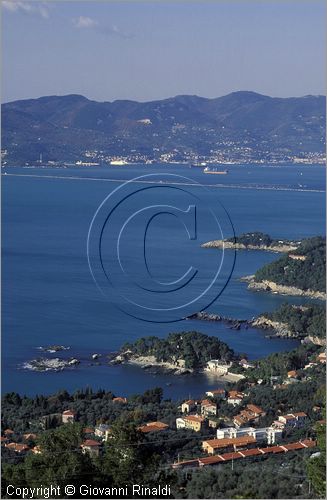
[270, 286]
[317, 340]
[149, 362]
[234, 324]
[282, 248]
[280, 329]
[53, 364]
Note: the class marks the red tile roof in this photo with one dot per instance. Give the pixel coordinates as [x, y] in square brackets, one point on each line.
[231, 456]
[272, 449]
[17, 447]
[88, 430]
[90, 442]
[153, 427]
[235, 395]
[255, 409]
[206, 402]
[210, 460]
[251, 453]
[225, 442]
[194, 418]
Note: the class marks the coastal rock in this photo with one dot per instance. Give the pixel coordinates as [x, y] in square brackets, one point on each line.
[270, 286]
[53, 364]
[280, 329]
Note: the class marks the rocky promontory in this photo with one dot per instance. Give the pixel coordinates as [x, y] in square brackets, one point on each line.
[254, 241]
[225, 244]
[271, 286]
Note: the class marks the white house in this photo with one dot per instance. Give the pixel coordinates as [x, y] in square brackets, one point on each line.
[218, 366]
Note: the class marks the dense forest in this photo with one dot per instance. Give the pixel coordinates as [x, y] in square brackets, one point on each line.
[308, 274]
[193, 347]
[309, 319]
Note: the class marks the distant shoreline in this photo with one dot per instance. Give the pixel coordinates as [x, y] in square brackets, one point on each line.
[240, 246]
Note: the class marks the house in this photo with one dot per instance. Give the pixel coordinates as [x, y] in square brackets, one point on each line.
[255, 410]
[218, 366]
[91, 447]
[68, 416]
[213, 445]
[216, 393]
[322, 357]
[17, 447]
[193, 422]
[153, 427]
[250, 414]
[8, 433]
[268, 434]
[295, 420]
[119, 400]
[29, 437]
[188, 406]
[245, 364]
[292, 374]
[208, 408]
[213, 422]
[101, 430]
[235, 397]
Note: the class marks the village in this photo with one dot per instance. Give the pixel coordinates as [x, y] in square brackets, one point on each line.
[226, 423]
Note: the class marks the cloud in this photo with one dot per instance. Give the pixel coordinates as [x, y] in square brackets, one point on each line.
[84, 22]
[38, 8]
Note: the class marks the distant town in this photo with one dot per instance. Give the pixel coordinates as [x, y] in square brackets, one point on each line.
[230, 154]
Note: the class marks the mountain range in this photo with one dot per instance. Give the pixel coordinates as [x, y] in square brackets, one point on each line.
[244, 124]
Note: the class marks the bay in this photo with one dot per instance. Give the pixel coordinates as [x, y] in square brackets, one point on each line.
[49, 296]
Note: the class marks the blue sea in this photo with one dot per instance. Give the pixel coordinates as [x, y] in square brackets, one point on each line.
[49, 295]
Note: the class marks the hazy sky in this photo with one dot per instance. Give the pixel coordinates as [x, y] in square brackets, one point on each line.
[152, 50]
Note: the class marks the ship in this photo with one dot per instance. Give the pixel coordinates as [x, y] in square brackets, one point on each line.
[209, 170]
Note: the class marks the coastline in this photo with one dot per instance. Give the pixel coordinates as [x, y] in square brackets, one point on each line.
[222, 244]
[271, 286]
[148, 362]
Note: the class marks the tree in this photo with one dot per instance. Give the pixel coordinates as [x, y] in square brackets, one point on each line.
[317, 465]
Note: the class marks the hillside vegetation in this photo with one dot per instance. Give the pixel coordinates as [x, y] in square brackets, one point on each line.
[309, 320]
[308, 274]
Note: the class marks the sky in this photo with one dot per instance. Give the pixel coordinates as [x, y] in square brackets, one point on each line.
[157, 49]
